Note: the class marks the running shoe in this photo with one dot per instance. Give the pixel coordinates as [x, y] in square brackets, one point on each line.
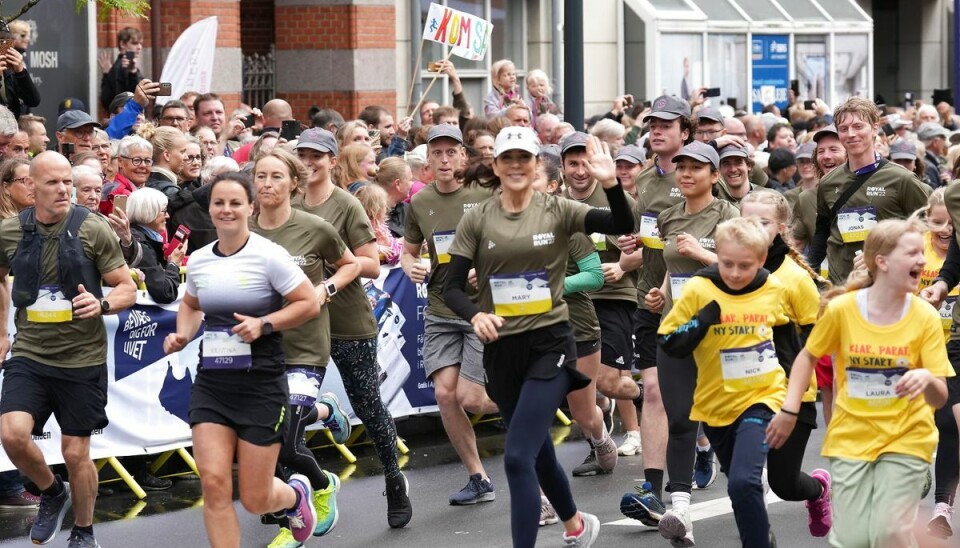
[820, 511]
[586, 538]
[476, 490]
[548, 516]
[676, 526]
[284, 539]
[149, 482]
[772, 540]
[631, 445]
[82, 539]
[50, 515]
[941, 525]
[337, 423]
[303, 518]
[589, 466]
[325, 503]
[606, 453]
[927, 484]
[704, 469]
[608, 417]
[643, 506]
[22, 500]
[399, 509]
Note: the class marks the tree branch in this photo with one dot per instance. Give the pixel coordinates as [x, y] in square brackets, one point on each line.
[23, 9]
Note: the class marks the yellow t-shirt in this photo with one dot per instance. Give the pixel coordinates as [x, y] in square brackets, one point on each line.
[930, 271]
[801, 304]
[737, 365]
[869, 420]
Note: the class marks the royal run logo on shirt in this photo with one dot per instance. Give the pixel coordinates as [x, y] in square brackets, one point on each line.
[542, 239]
[872, 374]
[876, 191]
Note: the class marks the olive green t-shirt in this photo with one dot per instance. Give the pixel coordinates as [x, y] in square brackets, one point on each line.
[792, 195]
[433, 216]
[758, 176]
[701, 225]
[74, 343]
[583, 317]
[315, 247]
[606, 246]
[723, 192]
[891, 192]
[655, 193]
[521, 258]
[805, 216]
[351, 316]
[951, 198]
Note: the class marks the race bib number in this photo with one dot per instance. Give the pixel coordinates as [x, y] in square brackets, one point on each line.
[824, 269]
[51, 306]
[749, 368]
[599, 241]
[304, 386]
[946, 311]
[441, 243]
[677, 281]
[856, 222]
[872, 391]
[521, 294]
[649, 233]
[223, 349]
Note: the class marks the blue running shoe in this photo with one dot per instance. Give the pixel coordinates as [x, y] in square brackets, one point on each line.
[643, 506]
[337, 423]
[50, 515]
[704, 469]
[476, 490]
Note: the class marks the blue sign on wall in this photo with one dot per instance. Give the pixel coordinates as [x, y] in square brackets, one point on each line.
[770, 55]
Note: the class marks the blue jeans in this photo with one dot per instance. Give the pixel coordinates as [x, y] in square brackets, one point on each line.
[742, 452]
[11, 483]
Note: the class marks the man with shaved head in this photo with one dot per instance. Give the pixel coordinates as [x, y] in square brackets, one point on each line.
[58, 365]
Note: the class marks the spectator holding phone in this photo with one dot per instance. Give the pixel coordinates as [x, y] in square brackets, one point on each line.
[147, 211]
[17, 90]
[124, 73]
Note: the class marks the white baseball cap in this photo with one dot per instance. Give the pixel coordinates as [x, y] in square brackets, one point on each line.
[516, 138]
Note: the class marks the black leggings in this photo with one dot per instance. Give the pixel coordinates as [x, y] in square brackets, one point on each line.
[529, 458]
[947, 466]
[357, 363]
[784, 473]
[678, 380]
[294, 454]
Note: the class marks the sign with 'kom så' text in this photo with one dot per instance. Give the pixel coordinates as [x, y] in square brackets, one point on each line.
[467, 35]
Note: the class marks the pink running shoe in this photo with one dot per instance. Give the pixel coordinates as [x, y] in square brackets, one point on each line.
[820, 511]
[303, 518]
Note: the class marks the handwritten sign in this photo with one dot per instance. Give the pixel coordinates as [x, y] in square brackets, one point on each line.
[467, 35]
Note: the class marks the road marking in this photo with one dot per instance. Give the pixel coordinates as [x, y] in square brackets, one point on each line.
[701, 510]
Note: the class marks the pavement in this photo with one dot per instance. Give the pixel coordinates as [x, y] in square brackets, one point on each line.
[174, 518]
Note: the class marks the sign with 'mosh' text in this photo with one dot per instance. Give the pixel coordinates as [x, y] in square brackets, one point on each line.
[467, 35]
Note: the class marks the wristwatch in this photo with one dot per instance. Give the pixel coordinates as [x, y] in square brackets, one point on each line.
[104, 306]
[331, 289]
[267, 328]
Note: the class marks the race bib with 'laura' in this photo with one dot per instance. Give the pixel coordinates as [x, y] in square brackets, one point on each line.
[749, 368]
[824, 269]
[856, 222]
[441, 243]
[946, 311]
[677, 281]
[521, 294]
[304, 386]
[599, 241]
[223, 349]
[649, 233]
[872, 391]
[51, 306]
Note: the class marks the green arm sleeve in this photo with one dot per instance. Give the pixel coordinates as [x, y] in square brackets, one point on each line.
[590, 277]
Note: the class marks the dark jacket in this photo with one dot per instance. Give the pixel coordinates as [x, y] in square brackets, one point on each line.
[158, 181]
[22, 94]
[397, 218]
[163, 277]
[195, 215]
[117, 81]
[932, 170]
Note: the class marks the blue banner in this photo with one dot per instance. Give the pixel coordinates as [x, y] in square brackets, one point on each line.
[770, 56]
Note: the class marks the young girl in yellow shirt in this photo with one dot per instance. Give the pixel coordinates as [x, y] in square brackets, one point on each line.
[889, 351]
[728, 316]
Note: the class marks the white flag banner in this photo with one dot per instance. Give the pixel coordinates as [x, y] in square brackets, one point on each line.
[189, 66]
[467, 35]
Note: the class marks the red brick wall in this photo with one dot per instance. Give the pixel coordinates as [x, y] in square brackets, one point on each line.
[256, 26]
[176, 16]
[348, 103]
[335, 27]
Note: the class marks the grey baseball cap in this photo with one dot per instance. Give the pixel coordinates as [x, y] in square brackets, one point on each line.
[72, 119]
[573, 140]
[829, 130]
[668, 107]
[903, 150]
[318, 139]
[710, 113]
[700, 152]
[445, 130]
[932, 130]
[632, 154]
[733, 151]
[805, 151]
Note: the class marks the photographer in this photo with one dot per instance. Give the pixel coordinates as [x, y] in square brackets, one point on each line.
[17, 90]
[124, 74]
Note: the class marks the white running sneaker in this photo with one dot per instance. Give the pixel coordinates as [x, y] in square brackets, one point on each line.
[941, 524]
[676, 526]
[631, 445]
